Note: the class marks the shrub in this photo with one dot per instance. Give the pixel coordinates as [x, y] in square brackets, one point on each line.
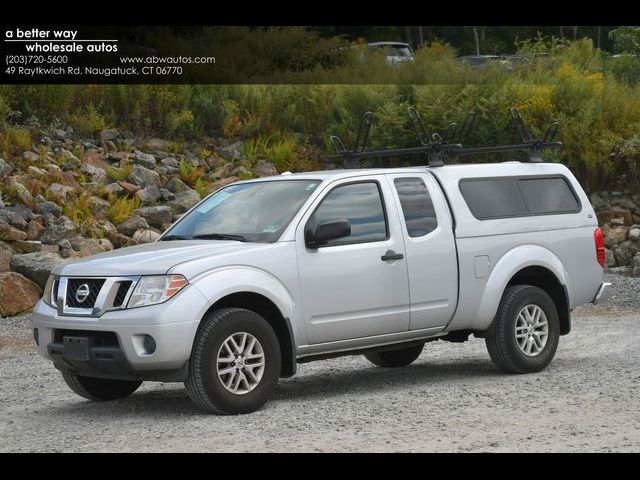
[625, 68]
[189, 173]
[203, 187]
[629, 153]
[12, 138]
[88, 122]
[231, 124]
[122, 208]
[180, 123]
[79, 209]
[5, 110]
[120, 173]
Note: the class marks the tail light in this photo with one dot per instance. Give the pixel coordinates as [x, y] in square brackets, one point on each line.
[600, 253]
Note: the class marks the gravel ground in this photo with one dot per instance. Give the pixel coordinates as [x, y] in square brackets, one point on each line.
[451, 399]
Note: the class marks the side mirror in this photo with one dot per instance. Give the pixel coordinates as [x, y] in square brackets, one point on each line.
[327, 231]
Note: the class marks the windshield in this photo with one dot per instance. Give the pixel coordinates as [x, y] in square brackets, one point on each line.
[398, 51]
[393, 50]
[250, 212]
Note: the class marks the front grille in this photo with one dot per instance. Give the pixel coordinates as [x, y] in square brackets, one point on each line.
[55, 290]
[121, 294]
[94, 285]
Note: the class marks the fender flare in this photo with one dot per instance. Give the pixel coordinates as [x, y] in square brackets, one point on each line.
[221, 282]
[505, 269]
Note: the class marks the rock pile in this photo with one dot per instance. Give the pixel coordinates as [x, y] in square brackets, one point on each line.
[65, 198]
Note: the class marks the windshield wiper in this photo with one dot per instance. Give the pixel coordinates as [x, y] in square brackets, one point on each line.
[175, 237]
[220, 236]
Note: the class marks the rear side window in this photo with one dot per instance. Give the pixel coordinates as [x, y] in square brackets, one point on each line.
[493, 197]
[417, 207]
[361, 204]
[506, 197]
[548, 195]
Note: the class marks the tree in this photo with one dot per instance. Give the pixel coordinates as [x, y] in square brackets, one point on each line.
[477, 40]
[626, 39]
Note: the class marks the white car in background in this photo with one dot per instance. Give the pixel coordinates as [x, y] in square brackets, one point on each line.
[396, 52]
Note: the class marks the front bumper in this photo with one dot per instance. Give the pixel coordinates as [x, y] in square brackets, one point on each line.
[603, 294]
[172, 326]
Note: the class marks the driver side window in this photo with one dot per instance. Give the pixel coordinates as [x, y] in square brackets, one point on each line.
[359, 203]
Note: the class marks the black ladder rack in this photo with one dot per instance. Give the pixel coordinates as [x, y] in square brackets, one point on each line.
[439, 148]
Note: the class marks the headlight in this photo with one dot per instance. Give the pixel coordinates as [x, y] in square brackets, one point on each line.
[48, 295]
[151, 290]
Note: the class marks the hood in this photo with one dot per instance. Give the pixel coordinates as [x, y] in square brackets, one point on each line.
[154, 258]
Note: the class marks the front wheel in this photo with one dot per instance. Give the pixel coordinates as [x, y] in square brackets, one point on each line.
[235, 362]
[524, 335]
[395, 358]
[99, 388]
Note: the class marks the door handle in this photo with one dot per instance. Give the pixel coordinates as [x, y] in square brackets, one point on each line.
[390, 255]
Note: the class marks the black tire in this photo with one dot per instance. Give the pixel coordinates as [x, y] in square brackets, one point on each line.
[501, 341]
[395, 358]
[99, 389]
[203, 383]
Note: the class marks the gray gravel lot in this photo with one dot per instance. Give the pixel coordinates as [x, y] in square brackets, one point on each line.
[451, 399]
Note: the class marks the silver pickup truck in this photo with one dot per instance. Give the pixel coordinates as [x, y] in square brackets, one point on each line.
[265, 274]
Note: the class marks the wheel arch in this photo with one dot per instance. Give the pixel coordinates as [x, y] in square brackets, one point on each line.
[546, 280]
[268, 310]
[528, 265]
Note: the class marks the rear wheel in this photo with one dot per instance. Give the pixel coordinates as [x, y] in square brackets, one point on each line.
[99, 388]
[524, 335]
[395, 358]
[235, 362]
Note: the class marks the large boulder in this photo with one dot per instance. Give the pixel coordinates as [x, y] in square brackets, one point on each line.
[614, 236]
[145, 159]
[616, 215]
[610, 259]
[175, 185]
[636, 265]
[232, 150]
[58, 230]
[265, 169]
[49, 207]
[624, 253]
[109, 134]
[13, 218]
[113, 189]
[144, 177]
[105, 243]
[119, 240]
[184, 200]
[17, 294]
[170, 163]
[7, 232]
[158, 216]
[129, 227]
[634, 233]
[69, 160]
[36, 266]
[62, 193]
[6, 252]
[149, 195]
[145, 236]
[86, 246]
[5, 168]
[158, 144]
[22, 193]
[98, 175]
[27, 246]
